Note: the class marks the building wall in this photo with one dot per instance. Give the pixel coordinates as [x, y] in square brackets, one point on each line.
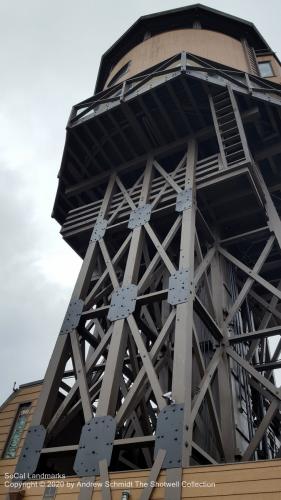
[209, 44]
[8, 413]
[250, 481]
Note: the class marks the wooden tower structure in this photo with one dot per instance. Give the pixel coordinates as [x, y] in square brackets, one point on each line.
[170, 191]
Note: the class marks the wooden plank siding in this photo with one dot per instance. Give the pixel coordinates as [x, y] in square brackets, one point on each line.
[211, 45]
[8, 413]
[248, 481]
[259, 480]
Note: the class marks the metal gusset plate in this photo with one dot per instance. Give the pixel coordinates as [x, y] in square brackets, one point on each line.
[184, 200]
[139, 216]
[72, 317]
[179, 287]
[99, 229]
[169, 435]
[96, 443]
[123, 302]
[30, 453]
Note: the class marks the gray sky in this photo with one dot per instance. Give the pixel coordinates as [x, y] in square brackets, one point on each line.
[49, 57]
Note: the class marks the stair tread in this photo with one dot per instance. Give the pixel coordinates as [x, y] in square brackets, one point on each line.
[235, 153]
[218, 110]
[233, 145]
[227, 131]
[226, 123]
[220, 118]
[231, 137]
[235, 161]
[224, 95]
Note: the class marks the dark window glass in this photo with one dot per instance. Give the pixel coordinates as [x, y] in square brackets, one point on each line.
[119, 73]
[265, 69]
[197, 25]
[17, 430]
[50, 492]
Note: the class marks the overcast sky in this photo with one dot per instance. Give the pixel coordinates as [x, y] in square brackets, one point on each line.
[49, 57]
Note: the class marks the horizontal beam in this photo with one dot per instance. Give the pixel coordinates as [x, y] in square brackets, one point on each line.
[259, 334]
[261, 231]
[142, 299]
[60, 449]
[271, 365]
[139, 440]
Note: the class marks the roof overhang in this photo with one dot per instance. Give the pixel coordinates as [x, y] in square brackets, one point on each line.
[118, 128]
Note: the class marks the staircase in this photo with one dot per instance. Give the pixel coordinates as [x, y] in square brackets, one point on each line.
[229, 128]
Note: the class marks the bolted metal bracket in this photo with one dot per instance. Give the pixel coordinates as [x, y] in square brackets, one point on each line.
[72, 317]
[99, 229]
[179, 287]
[30, 453]
[139, 216]
[184, 200]
[168, 435]
[96, 443]
[123, 302]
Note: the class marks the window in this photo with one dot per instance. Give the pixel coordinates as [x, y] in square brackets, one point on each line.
[50, 492]
[265, 69]
[197, 25]
[119, 73]
[17, 430]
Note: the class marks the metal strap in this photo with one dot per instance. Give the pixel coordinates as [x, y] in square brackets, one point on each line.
[99, 229]
[179, 287]
[123, 302]
[184, 200]
[140, 216]
[72, 316]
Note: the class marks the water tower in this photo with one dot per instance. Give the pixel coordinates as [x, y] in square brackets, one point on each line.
[170, 192]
